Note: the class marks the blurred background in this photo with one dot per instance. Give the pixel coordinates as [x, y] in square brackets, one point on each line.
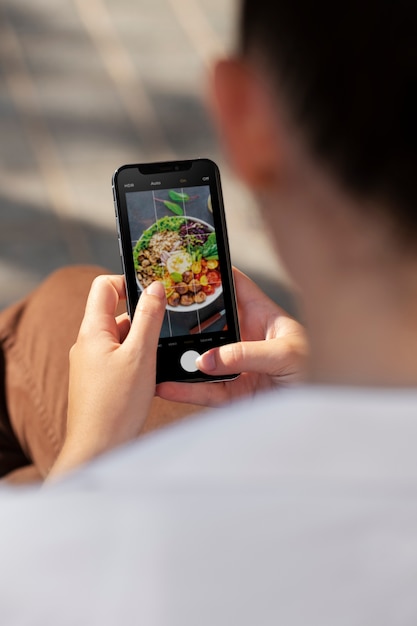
[86, 86]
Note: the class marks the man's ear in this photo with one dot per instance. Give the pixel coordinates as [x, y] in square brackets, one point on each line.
[245, 118]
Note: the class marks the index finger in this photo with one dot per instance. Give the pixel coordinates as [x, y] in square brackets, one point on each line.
[105, 294]
[203, 394]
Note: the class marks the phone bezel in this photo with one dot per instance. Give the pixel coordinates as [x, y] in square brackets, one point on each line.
[197, 172]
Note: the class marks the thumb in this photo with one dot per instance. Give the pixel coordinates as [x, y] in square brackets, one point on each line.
[147, 320]
[273, 357]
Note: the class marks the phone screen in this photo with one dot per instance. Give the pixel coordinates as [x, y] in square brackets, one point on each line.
[172, 229]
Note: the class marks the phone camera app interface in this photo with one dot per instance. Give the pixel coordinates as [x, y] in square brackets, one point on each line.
[174, 241]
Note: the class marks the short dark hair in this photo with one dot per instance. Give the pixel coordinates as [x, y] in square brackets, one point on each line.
[349, 73]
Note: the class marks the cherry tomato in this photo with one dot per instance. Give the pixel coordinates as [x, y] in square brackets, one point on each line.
[213, 278]
[208, 289]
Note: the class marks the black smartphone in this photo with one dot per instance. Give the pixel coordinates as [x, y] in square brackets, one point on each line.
[172, 228]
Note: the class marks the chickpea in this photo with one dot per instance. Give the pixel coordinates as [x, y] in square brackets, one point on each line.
[200, 297]
[187, 300]
[187, 276]
[182, 288]
[174, 299]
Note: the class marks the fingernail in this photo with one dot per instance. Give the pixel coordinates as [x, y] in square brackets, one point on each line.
[206, 362]
[156, 289]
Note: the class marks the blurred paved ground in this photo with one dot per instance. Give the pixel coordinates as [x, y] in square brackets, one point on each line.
[85, 86]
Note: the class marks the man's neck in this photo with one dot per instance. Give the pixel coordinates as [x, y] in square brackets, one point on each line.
[364, 331]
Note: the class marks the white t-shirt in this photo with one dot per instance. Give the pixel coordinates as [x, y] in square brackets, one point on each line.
[296, 509]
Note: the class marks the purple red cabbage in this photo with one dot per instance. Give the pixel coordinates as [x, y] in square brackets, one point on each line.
[195, 231]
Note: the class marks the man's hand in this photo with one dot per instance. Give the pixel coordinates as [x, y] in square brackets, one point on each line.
[112, 372]
[273, 353]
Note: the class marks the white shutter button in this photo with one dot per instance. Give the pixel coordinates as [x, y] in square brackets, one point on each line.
[188, 361]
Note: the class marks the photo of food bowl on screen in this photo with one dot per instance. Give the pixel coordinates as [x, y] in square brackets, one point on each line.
[174, 241]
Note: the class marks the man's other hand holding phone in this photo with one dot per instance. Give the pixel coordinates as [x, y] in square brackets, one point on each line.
[263, 365]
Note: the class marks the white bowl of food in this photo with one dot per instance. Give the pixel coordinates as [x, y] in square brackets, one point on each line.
[181, 252]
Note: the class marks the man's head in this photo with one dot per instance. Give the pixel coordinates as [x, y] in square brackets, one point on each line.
[316, 111]
[347, 76]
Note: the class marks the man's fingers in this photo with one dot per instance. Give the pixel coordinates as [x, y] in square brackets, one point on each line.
[123, 325]
[203, 394]
[147, 320]
[105, 293]
[262, 357]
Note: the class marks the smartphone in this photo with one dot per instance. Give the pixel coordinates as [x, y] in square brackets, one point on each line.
[171, 227]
